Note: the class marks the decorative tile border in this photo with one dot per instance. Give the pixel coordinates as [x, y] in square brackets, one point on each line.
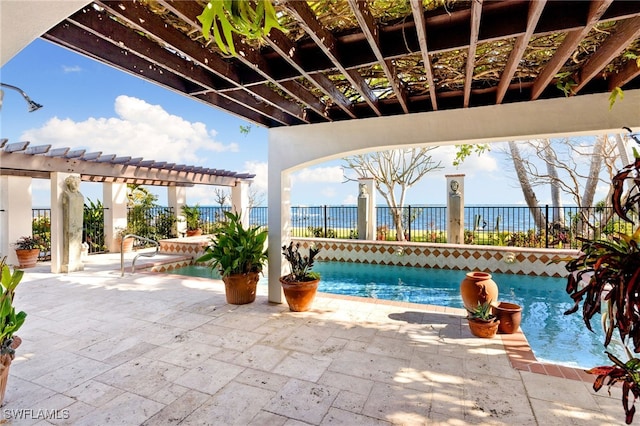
[511, 260]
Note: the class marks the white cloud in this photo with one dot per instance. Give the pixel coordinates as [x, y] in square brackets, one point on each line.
[68, 69]
[328, 192]
[349, 200]
[261, 170]
[140, 130]
[331, 174]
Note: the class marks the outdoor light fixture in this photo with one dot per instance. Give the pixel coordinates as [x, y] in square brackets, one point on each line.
[32, 105]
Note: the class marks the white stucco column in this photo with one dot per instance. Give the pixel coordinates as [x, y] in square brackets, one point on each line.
[15, 213]
[115, 215]
[240, 200]
[370, 226]
[177, 197]
[279, 226]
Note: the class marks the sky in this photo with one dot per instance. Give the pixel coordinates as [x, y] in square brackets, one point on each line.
[89, 105]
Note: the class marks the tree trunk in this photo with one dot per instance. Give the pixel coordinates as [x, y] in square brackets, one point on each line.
[527, 190]
[557, 216]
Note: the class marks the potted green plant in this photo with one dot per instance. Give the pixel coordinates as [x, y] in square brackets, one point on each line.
[239, 254]
[605, 278]
[301, 284]
[10, 322]
[28, 249]
[482, 322]
[192, 217]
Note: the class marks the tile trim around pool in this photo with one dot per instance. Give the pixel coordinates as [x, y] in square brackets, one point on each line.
[516, 345]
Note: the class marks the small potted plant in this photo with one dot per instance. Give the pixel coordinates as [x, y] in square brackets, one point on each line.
[10, 322]
[192, 217]
[482, 322]
[239, 254]
[28, 249]
[300, 286]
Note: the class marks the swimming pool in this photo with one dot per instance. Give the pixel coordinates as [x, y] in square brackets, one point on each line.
[553, 336]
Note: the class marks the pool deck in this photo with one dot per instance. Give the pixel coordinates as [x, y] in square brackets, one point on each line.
[156, 349]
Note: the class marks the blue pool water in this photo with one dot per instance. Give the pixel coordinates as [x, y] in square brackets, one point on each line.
[553, 336]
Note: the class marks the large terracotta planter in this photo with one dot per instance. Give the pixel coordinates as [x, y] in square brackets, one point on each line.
[484, 329]
[194, 232]
[478, 288]
[127, 247]
[510, 316]
[27, 258]
[240, 289]
[299, 295]
[5, 364]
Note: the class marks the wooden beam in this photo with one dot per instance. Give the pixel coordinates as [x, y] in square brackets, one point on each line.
[568, 46]
[372, 34]
[420, 24]
[630, 71]
[522, 42]
[476, 13]
[329, 45]
[625, 32]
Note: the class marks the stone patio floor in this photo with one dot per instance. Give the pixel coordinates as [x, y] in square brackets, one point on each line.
[157, 349]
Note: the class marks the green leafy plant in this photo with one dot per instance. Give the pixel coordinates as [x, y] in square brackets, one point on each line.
[192, 216]
[10, 321]
[482, 312]
[235, 249]
[251, 19]
[605, 278]
[30, 243]
[301, 266]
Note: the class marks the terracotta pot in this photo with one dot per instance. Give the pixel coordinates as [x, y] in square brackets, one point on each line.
[27, 258]
[484, 329]
[194, 232]
[127, 247]
[5, 364]
[240, 289]
[478, 288]
[510, 316]
[299, 295]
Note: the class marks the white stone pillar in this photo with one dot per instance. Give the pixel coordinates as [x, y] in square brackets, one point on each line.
[240, 200]
[115, 215]
[370, 210]
[177, 197]
[15, 213]
[455, 209]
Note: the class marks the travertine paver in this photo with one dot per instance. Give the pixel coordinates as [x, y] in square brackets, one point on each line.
[166, 350]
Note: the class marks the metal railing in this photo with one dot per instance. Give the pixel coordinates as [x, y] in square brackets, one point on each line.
[145, 254]
[517, 226]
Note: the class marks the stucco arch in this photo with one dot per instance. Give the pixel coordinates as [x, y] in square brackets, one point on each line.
[293, 148]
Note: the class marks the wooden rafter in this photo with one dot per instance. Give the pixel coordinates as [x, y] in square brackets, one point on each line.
[329, 46]
[289, 51]
[630, 71]
[476, 13]
[568, 46]
[139, 17]
[252, 58]
[372, 34]
[420, 24]
[625, 32]
[535, 10]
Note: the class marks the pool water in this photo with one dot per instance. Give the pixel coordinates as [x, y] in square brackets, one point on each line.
[553, 336]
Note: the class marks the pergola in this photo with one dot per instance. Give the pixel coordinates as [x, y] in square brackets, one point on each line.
[355, 75]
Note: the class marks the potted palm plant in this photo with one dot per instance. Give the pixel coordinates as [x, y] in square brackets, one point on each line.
[605, 278]
[28, 249]
[10, 322]
[192, 217]
[301, 284]
[482, 322]
[239, 254]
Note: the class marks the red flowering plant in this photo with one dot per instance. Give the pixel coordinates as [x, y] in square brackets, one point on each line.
[605, 277]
